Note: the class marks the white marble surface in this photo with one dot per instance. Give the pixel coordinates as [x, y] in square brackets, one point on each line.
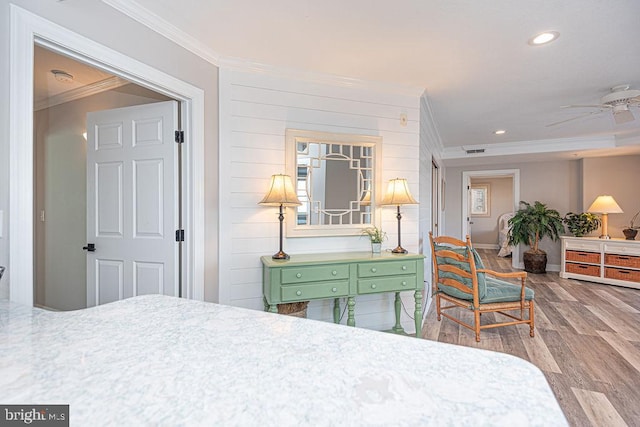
[158, 360]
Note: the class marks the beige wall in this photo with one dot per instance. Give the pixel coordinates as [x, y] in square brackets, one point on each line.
[60, 153]
[554, 183]
[484, 230]
[618, 177]
[567, 186]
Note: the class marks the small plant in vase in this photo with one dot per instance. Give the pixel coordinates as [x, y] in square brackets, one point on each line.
[376, 235]
[631, 232]
[582, 223]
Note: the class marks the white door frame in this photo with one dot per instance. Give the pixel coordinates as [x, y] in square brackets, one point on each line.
[500, 173]
[28, 29]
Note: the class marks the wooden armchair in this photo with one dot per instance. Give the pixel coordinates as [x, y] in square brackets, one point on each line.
[461, 279]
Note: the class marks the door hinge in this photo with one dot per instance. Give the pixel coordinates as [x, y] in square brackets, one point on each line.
[179, 136]
[179, 235]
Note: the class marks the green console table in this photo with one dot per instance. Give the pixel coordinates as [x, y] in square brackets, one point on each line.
[344, 275]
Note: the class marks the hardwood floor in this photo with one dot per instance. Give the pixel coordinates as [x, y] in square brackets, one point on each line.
[587, 344]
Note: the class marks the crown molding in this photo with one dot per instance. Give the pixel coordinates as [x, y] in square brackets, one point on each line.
[81, 92]
[530, 147]
[165, 28]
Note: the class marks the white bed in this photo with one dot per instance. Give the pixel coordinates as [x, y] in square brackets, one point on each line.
[503, 231]
[157, 360]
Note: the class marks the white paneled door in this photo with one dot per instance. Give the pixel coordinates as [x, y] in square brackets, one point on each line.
[132, 202]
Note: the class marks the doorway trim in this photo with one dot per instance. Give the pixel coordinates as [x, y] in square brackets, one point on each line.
[499, 173]
[28, 29]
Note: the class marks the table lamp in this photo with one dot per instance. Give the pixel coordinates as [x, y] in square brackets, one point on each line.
[398, 194]
[604, 205]
[281, 193]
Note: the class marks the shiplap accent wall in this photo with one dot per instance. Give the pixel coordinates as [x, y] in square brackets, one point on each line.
[255, 110]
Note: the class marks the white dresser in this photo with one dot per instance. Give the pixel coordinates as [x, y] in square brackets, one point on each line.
[609, 261]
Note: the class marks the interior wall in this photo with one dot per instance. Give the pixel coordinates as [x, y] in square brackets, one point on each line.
[61, 180]
[555, 183]
[484, 231]
[617, 177]
[155, 51]
[429, 152]
[256, 109]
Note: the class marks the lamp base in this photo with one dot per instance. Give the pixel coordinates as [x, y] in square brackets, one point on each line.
[605, 237]
[280, 255]
[399, 250]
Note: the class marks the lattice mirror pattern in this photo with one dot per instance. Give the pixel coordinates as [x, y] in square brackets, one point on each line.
[335, 176]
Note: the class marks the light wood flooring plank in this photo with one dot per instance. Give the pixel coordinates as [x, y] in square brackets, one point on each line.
[587, 344]
[609, 297]
[627, 350]
[538, 352]
[582, 321]
[623, 323]
[598, 408]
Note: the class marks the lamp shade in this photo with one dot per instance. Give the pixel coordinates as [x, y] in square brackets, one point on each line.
[281, 192]
[398, 193]
[366, 199]
[604, 204]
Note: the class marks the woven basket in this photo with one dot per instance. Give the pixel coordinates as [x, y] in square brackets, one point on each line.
[296, 309]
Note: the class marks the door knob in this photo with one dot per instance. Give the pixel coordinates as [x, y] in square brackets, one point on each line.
[90, 247]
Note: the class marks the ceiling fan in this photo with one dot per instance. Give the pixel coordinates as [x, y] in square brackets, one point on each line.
[619, 101]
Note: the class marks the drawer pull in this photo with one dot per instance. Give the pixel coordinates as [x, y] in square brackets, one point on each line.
[299, 275]
[622, 272]
[373, 270]
[404, 283]
[584, 267]
[298, 293]
[404, 267]
[334, 289]
[626, 258]
[373, 286]
[334, 273]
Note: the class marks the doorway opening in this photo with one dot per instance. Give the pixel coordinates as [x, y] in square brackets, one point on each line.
[489, 196]
[28, 31]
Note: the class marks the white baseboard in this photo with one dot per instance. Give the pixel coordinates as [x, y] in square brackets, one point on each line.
[485, 246]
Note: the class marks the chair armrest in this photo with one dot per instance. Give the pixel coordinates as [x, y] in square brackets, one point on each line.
[514, 274]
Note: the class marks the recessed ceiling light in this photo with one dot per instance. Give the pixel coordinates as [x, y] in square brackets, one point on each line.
[62, 76]
[544, 38]
[500, 132]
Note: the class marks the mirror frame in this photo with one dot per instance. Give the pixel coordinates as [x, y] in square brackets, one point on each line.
[292, 137]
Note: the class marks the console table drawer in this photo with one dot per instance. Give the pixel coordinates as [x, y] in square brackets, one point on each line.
[315, 274]
[587, 270]
[316, 290]
[580, 256]
[629, 261]
[373, 269]
[622, 274]
[387, 284]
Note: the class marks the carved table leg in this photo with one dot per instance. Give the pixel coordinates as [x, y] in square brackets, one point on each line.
[351, 302]
[336, 310]
[418, 313]
[397, 328]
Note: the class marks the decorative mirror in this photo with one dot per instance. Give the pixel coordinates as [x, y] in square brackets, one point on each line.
[336, 180]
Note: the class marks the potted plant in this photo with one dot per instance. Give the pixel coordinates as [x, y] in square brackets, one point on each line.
[529, 225]
[376, 235]
[631, 232]
[582, 223]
